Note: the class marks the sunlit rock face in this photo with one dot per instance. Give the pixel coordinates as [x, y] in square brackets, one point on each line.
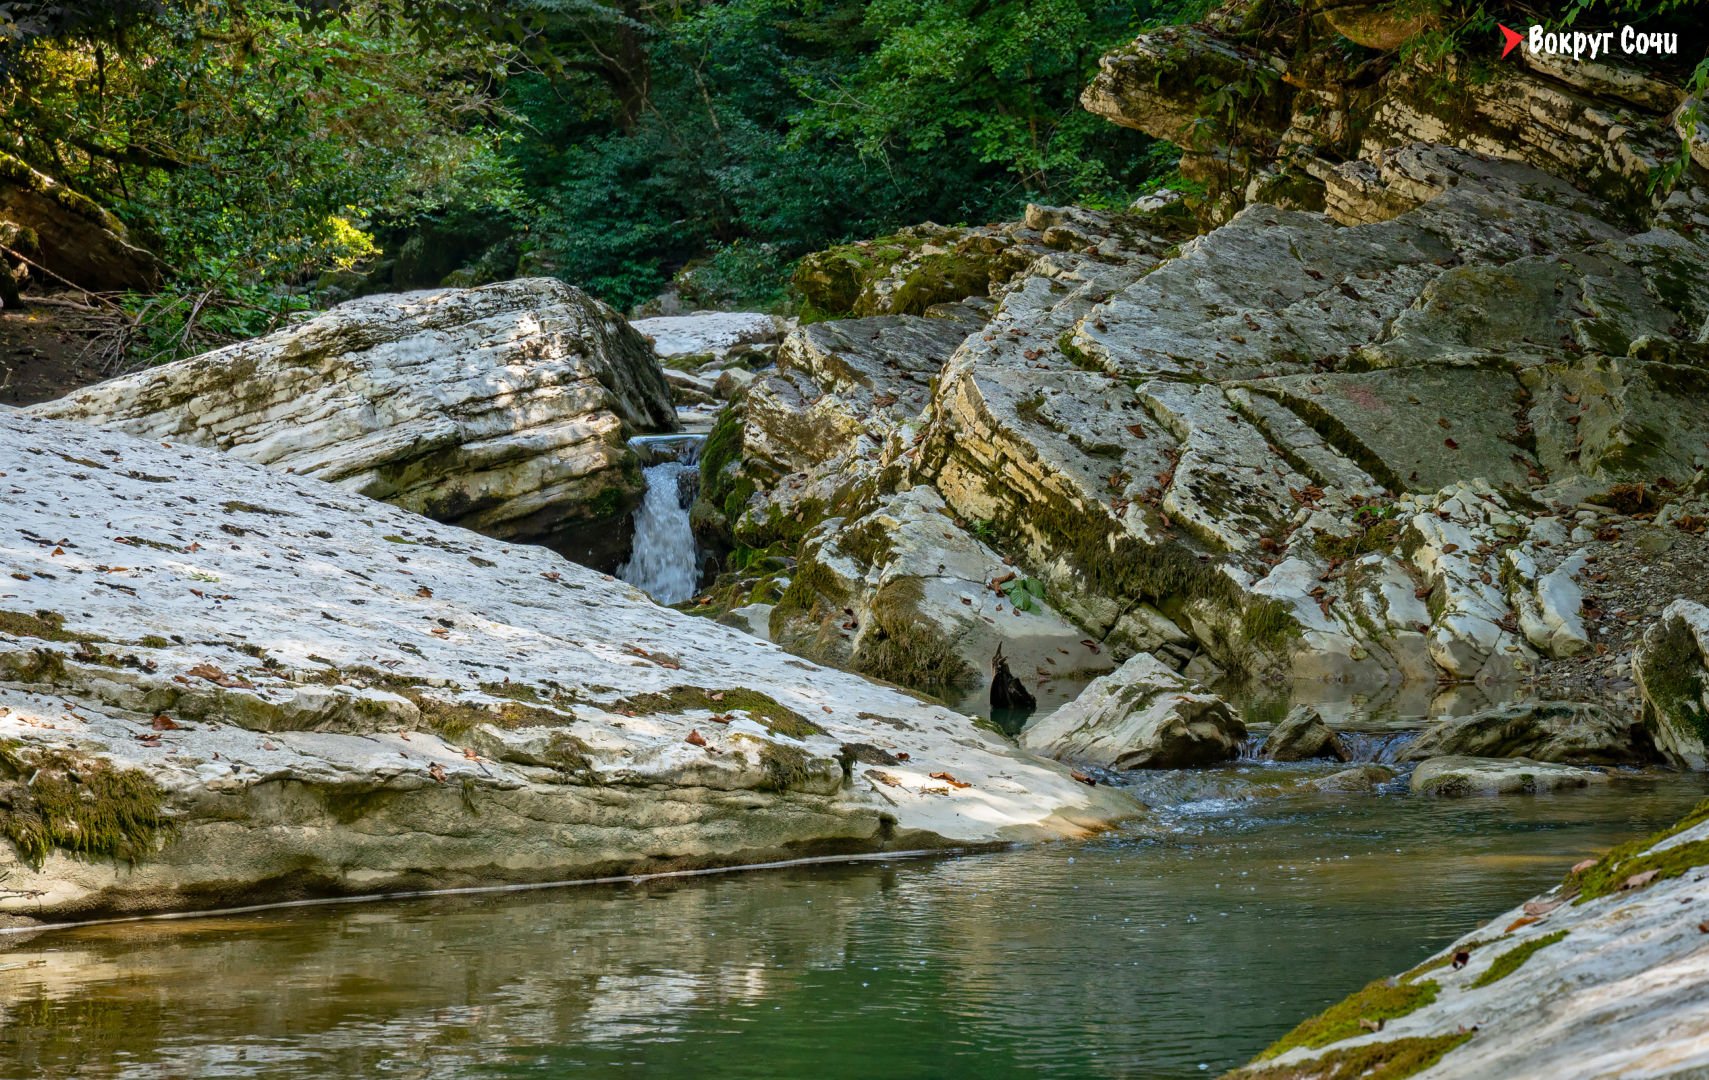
[220, 682]
[503, 409]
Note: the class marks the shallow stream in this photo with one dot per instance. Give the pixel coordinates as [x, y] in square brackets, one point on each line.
[1174, 950]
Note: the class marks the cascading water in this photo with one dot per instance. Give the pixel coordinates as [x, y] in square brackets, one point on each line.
[663, 562]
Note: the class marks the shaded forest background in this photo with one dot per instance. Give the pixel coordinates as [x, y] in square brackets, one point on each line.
[275, 153]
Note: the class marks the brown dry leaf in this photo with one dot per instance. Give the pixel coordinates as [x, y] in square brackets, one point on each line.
[901, 755]
[218, 677]
[1703, 928]
[436, 771]
[1542, 907]
[950, 780]
[58, 551]
[1526, 920]
[717, 695]
[551, 575]
[162, 722]
[1449, 549]
[1638, 881]
[1450, 444]
[469, 752]
[883, 778]
[1462, 958]
[439, 631]
[695, 738]
[424, 592]
[1083, 778]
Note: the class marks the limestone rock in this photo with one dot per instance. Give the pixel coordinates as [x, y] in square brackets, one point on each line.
[1141, 716]
[1669, 668]
[905, 594]
[1301, 736]
[1455, 775]
[1362, 779]
[504, 408]
[712, 334]
[1544, 985]
[352, 698]
[1554, 731]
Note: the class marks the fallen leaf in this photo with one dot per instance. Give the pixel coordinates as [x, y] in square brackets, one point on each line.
[551, 575]
[218, 677]
[1083, 778]
[1703, 928]
[162, 722]
[695, 738]
[901, 755]
[1638, 881]
[1450, 444]
[469, 752]
[1524, 921]
[439, 631]
[717, 695]
[424, 592]
[1461, 959]
[1542, 907]
[950, 780]
[883, 777]
[437, 772]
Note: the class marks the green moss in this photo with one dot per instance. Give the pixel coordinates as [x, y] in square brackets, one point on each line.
[568, 754]
[812, 583]
[1671, 675]
[1376, 535]
[43, 625]
[1380, 1000]
[902, 646]
[1268, 624]
[785, 767]
[869, 543]
[236, 506]
[453, 720]
[51, 799]
[154, 641]
[1513, 959]
[763, 708]
[942, 278]
[1391, 1060]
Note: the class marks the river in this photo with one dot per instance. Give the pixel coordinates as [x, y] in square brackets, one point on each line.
[1176, 949]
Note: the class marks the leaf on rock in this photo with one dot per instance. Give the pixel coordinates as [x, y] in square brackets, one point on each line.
[218, 677]
[162, 722]
[436, 771]
[1638, 881]
[950, 780]
[695, 738]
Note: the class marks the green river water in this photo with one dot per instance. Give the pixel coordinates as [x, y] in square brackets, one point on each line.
[1175, 950]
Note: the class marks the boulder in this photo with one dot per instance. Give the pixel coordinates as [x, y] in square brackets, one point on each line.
[1303, 735]
[504, 408]
[1669, 668]
[1361, 779]
[68, 234]
[1140, 716]
[712, 334]
[1556, 731]
[1456, 775]
[260, 687]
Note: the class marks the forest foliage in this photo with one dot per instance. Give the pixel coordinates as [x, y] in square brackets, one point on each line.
[266, 149]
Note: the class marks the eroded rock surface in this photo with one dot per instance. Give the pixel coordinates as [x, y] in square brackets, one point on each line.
[504, 408]
[1669, 665]
[1557, 731]
[1454, 776]
[260, 686]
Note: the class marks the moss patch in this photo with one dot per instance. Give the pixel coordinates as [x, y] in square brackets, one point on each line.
[1513, 959]
[1378, 1001]
[51, 799]
[1620, 863]
[902, 646]
[1390, 1060]
[785, 767]
[763, 708]
[1671, 677]
[43, 625]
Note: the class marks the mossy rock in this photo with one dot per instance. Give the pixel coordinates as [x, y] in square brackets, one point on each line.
[55, 800]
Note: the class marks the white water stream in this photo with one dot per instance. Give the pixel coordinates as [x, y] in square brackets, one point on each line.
[663, 562]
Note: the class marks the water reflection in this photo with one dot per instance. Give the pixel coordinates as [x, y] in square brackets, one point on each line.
[1143, 954]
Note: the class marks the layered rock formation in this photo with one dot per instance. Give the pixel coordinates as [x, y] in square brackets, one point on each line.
[222, 683]
[1349, 434]
[1140, 716]
[504, 409]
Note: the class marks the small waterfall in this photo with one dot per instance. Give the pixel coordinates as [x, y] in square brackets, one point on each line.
[663, 561]
[1382, 748]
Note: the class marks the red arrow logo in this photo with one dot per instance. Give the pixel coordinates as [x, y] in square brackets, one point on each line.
[1512, 37]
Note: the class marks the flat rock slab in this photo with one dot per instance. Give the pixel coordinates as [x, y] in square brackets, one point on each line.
[331, 695]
